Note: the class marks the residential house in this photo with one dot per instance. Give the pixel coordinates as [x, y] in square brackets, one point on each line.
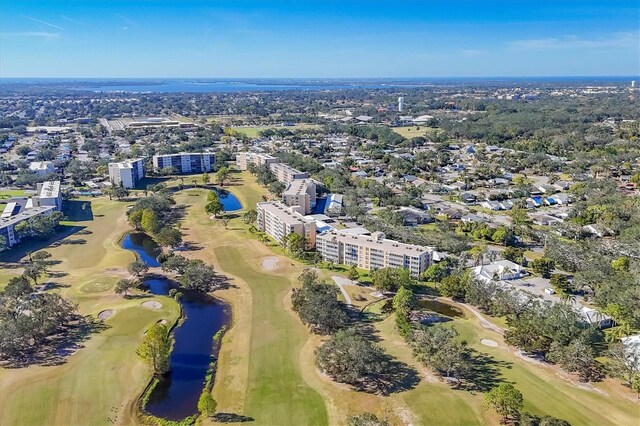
[412, 216]
[468, 198]
[500, 270]
[491, 205]
[562, 185]
[42, 168]
[535, 201]
[451, 214]
[596, 318]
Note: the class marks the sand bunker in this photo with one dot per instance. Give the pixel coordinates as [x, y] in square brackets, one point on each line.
[270, 263]
[488, 342]
[103, 315]
[153, 304]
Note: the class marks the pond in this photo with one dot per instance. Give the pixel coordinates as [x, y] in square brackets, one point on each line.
[176, 395]
[441, 308]
[229, 201]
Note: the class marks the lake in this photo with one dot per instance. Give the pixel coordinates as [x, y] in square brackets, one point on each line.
[229, 201]
[176, 395]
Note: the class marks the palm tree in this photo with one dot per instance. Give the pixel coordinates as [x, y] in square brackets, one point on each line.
[567, 298]
[477, 253]
[225, 221]
[617, 333]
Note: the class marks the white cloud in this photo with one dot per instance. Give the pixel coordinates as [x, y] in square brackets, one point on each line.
[616, 40]
[43, 22]
[129, 22]
[66, 18]
[32, 34]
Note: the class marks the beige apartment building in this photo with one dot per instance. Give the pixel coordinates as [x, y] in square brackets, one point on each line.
[286, 174]
[278, 221]
[243, 159]
[372, 252]
[300, 192]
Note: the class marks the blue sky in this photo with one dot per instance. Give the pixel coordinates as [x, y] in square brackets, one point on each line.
[241, 38]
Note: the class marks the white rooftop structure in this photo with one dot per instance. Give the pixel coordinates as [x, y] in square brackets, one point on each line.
[334, 204]
[42, 168]
[354, 231]
[500, 270]
[632, 347]
[49, 194]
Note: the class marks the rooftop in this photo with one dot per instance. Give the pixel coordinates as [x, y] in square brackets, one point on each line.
[298, 186]
[50, 189]
[23, 215]
[284, 213]
[40, 165]
[126, 164]
[376, 241]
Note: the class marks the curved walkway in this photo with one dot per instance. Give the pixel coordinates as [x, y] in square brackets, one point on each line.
[340, 281]
[483, 321]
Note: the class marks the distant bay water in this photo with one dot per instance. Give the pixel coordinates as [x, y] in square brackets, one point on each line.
[142, 85]
[227, 86]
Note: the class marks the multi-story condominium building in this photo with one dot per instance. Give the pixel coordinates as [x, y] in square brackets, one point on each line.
[285, 173]
[18, 210]
[278, 221]
[243, 159]
[184, 162]
[372, 252]
[127, 173]
[300, 192]
[49, 195]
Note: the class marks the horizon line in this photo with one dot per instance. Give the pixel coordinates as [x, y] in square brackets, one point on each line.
[330, 78]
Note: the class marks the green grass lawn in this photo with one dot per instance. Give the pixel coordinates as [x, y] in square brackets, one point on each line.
[276, 388]
[94, 382]
[412, 131]
[544, 391]
[105, 375]
[253, 131]
[259, 369]
[8, 193]
[265, 368]
[246, 189]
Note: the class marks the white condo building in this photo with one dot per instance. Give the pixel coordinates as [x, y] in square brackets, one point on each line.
[49, 195]
[372, 252]
[278, 221]
[19, 209]
[300, 192]
[185, 162]
[127, 173]
[285, 173]
[243, 159]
